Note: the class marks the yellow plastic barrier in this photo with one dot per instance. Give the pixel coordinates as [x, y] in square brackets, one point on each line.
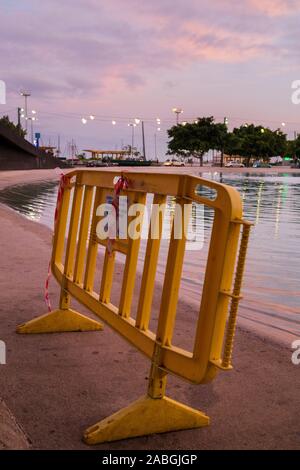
[74, 267]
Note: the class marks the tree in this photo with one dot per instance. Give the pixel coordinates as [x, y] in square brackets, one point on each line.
[197, 138]
[293, 147]
[10, 125]
[255, 141]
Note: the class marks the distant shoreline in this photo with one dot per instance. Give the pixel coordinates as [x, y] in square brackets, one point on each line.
[8, 178]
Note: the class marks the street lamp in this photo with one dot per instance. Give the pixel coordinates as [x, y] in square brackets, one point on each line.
[177, 111]
[26, 94]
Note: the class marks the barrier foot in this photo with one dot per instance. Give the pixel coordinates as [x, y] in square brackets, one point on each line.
[143, 417]
[59, 321]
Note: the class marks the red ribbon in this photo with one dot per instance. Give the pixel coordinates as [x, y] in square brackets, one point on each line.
[60, 194]
[120, 185]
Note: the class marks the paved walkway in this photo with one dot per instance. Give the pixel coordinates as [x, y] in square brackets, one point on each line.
[57, 385]
[11, 435]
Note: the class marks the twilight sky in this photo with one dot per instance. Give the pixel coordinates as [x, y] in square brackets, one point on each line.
[120, 59]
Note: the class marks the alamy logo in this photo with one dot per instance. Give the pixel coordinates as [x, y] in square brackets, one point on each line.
[296, 94]
[2, 92]
[134, 221]
[296, 353]
[2, 353]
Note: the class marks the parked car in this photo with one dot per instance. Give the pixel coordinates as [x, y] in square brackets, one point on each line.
[178, 163]
[232, 164]
[173, 163]
[261, 165]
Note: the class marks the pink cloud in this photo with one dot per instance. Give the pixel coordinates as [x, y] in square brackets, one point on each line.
[201, 41]
[275, 7]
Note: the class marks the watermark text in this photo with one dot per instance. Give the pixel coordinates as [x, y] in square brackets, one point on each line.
[2, 92]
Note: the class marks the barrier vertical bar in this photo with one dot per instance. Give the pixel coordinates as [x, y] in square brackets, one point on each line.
[73, 228]
[172, 277]
[150, 263]
[93, 246]
[130, 267]
[107, 276]
[83, 233]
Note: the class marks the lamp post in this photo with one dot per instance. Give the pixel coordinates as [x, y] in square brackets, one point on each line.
[26, 94]
[19, 119]
[143, 137]
[177, 111]
[225, 121]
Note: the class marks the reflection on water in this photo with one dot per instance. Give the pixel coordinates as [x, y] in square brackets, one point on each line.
[272, 202]
[36, 201]
[271, 290]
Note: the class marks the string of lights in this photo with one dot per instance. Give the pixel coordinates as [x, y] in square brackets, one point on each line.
[157, 122]
[85, 118]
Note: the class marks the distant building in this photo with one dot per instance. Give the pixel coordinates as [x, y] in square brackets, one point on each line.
[108, 154]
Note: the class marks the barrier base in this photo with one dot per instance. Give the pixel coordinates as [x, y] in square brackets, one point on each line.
[59, 321]
[143, 417]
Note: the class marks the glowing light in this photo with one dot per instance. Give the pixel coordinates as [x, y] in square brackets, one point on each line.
[92, 117]
[137, 121]
[184, 123]
[196, 121]
[177, 110]
[33, 111]
[283, 124]
[158, 129]
[22, 115]
[113, 123]
[84, 121]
